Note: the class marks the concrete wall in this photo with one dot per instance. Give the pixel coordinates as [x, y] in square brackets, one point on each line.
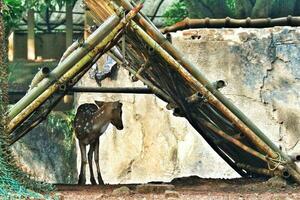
[262, 69]
[48, 154]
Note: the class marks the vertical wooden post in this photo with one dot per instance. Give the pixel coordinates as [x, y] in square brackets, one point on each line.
[30, 35]
[69, 24]
[11, 50]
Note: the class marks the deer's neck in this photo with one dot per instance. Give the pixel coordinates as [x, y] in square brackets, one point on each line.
[101, 119]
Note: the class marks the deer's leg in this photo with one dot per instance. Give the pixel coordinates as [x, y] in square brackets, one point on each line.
[100, 181]
[82, 179]
[90, 158]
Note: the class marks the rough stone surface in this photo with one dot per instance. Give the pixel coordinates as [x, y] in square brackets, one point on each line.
[121, 191]
[171, 194]
[154, 188]
[276, 182]
[44, 154]
[261, 67]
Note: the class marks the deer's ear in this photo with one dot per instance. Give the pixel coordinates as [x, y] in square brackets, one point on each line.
[99, 103]
[119, 103]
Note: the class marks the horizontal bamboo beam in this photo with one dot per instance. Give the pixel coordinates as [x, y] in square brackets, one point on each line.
[125, 90]
[228, 22]
[15, 96]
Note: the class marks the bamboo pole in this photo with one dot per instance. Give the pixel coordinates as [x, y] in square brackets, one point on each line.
[124, 90]
[24, 128]
[34, 120]
[195, 72]
[295, 157]
[228, 22]
[73, 71]
[233, 140]
[42, 73]
[259, 170]
[69, 50]
[69, 62]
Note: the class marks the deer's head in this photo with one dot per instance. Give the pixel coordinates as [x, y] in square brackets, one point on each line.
[115, 110]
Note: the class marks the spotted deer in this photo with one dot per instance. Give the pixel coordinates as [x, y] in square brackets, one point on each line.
[91, 121]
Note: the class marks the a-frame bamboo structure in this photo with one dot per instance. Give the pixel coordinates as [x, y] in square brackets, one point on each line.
[152, 59]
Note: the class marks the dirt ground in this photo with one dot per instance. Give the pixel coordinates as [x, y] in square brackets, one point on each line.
[189, 188]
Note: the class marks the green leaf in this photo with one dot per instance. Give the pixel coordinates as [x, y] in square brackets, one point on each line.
[175, 13]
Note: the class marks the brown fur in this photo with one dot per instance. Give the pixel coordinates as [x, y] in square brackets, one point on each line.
[90, 123]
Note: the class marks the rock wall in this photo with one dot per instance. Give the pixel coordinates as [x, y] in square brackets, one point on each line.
[261, 68]
[47, 154]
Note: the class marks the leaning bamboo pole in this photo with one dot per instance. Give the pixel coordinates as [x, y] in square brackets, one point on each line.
[69, 62]
[73, 71]
[228, 22]
[197, 74]
[262, 171]
[213, 100]
[233, 140]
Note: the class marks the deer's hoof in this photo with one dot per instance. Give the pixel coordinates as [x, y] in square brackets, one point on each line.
[100, 181]
[81, 180]
[93, 181]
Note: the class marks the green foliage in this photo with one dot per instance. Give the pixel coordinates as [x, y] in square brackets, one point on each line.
[12, 12]
[231, 8]
[62, 122]
[175, 13]
[15, 9]
[231, 4]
